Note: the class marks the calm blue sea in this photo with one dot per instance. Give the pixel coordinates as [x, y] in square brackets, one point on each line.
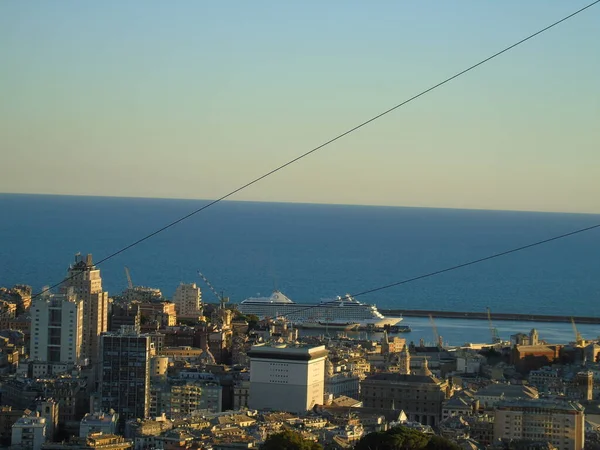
[310, 251]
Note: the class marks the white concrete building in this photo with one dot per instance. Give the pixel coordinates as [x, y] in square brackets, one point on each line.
[188, 300]
[105, 423]
[29, 432]
[56, 329]
[286, 378]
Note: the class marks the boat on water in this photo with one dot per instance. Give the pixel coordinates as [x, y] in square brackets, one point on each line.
[339, 309]
[329, 325]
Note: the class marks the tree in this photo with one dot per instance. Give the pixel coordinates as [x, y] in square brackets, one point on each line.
[289, 440]
[252, 320]
[403, 438]
[440, 443]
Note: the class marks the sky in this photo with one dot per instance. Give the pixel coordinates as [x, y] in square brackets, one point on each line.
[191, 99]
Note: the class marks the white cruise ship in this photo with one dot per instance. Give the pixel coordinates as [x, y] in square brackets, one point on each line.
[341, 308]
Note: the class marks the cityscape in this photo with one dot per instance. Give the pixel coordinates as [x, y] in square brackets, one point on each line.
[350, 225]
[83, 369]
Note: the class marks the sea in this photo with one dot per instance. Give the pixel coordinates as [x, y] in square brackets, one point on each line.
[315, 251]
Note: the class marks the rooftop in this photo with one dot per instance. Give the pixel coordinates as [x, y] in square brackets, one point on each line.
[402, 378]
[99, 418]
[285, 351]
[547, 404]
[508, 390]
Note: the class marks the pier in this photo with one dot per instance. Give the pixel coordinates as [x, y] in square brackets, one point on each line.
[483, 316]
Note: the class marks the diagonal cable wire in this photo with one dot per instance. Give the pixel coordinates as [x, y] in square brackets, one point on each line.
[330, 141]
[455, 267]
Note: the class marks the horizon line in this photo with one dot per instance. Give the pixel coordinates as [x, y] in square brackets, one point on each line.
[301, 203]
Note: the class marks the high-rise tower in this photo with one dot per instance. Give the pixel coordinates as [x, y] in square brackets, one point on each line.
[287, 378]
[188, 300]
[56, 329]
[125, 374]
[85, 280]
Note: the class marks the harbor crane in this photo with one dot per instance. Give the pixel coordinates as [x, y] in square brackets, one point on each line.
[128, 275]
[221, 298]
[493, 330]
[436, 336]
[578, 337]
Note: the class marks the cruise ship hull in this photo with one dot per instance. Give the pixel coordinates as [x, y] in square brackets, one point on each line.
[342, 309]
[329, 326]
[380, 323]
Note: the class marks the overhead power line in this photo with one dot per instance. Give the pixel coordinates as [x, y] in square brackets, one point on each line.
[332, 140]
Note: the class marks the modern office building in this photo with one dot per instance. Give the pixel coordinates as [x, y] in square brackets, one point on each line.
[56, 329]
[125, 374]
[560, 422]
[188, 300]
[86, 282]
[286, 378]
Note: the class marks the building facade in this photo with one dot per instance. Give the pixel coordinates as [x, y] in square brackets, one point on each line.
[163, 313]
[85, 280]
[29, 432]
[177, 398]
[57, 329]
[188, 300]
[562, 423]
[421, 397]
[286, 378]
[105, 423]
[125, 314]
[125, 374]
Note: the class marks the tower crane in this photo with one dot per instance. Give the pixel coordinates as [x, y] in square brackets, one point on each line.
[128, 275]
[578, 337]
[436, 336]
[222, 300]
[493, 330]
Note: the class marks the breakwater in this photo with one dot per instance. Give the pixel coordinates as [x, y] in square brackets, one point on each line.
[475, 315]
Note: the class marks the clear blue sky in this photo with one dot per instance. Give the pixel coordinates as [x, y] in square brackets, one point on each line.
[191, 99]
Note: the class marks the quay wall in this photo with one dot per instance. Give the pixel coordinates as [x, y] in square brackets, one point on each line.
[483, 316]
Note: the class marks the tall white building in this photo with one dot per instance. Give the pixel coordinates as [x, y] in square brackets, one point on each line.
[86, 282]
[56, 329]
[286, 378]
[188, 300]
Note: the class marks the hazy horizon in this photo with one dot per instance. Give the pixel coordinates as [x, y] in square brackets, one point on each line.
[194, 99]
[233, 199]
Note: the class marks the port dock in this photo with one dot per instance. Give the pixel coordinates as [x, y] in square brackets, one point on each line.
[484, 316]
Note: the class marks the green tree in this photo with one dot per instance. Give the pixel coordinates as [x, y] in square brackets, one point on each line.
[440, 443]
[289, 440]
[252, 321]
[403, 438]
